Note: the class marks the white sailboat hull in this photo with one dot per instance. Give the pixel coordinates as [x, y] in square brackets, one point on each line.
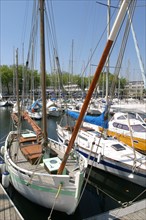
[35, 115]
[3, 103]
[119, 169]
[55, 113]
[44, 188]
[43, 193]
[106, 158]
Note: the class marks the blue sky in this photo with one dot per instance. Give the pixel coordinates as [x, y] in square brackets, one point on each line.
[80, 22]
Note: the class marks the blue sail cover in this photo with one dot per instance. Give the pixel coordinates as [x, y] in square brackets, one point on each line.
[34, 105]
[101, 120]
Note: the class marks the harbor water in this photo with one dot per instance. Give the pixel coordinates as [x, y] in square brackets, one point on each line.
[103, 191]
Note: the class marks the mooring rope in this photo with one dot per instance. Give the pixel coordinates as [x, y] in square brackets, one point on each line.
[59, 189]
[130, 202]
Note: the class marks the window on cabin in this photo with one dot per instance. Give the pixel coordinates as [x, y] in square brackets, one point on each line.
[118, 147]
[138, 128]
[125, 127]
[119, 126]
[123, 117]
[115, 124]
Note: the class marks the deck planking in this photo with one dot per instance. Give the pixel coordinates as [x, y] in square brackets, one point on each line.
[19, 159]
[8, 211]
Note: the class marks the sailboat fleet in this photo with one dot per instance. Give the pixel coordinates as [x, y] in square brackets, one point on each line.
[33, 160]
[105, 151]
[52, 173]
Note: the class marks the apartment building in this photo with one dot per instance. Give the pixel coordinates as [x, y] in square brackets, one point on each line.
[134, 89]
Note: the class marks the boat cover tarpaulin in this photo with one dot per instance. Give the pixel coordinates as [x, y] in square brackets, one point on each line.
[36, 103]
[101, 120]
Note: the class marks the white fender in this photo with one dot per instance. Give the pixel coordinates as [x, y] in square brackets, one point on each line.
[2, 166]
[5, 179]
[2, 150]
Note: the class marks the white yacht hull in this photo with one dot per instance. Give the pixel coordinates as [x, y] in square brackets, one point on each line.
[110, 160]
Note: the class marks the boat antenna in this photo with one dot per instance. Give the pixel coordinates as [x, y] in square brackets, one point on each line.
[111, 38]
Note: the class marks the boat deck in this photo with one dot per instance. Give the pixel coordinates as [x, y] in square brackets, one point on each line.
[22, 161]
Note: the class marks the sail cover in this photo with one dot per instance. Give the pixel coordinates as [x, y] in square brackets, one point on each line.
[34, 105]
[101, 120]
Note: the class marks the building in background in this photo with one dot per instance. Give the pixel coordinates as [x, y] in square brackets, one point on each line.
[134, 89]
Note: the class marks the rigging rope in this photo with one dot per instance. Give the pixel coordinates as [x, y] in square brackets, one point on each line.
[90, 167]
[132, 143]
[3, 137]
[122, 48]
[98, 43]
[38, 162]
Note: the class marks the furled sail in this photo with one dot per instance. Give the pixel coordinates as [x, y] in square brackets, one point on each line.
[101, 120]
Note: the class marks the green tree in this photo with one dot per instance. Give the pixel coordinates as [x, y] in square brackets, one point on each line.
[52, 79]
[7, 78]
[8, 74]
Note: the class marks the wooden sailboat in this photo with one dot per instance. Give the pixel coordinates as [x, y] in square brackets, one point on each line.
[33, 160]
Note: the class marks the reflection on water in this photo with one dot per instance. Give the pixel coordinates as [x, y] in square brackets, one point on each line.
[5, 123]
[103, 191]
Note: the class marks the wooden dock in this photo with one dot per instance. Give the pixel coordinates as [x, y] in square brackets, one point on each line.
[136, 211]
[8, 211]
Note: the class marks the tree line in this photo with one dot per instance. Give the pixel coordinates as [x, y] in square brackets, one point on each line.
[30, 80]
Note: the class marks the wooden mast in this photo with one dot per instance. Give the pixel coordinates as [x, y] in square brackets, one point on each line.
[17, 92]
[43, 71]
[102, 61]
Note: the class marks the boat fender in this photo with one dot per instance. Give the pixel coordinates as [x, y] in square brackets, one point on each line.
[99, 158]
[5, 179]
[2, 167]
[2, 150]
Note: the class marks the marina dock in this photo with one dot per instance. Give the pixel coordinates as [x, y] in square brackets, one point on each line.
[8, 210]
[136, 211]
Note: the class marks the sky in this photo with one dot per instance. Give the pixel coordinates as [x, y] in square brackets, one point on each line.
[80, 27]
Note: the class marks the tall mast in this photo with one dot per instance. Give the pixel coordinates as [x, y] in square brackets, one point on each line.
[0, 79]
[43, 70]
[102, 61]
[143, 73]
[108, 32]
[17, 91]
